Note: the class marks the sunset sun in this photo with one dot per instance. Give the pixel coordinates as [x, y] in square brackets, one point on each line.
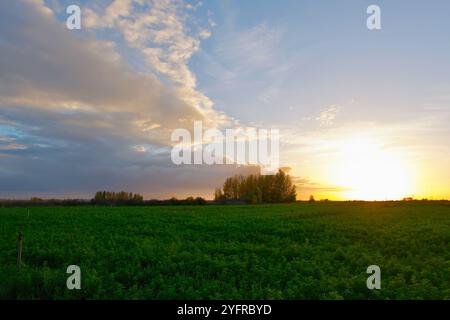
[367, 171]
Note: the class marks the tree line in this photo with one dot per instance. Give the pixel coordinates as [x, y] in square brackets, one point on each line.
[276, 188]
[122, 197]
[129, 198]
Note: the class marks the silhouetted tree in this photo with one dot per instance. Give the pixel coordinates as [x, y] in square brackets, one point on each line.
[122, 197]
[257, 189]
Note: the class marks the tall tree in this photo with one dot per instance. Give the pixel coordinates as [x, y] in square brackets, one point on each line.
[257, 188]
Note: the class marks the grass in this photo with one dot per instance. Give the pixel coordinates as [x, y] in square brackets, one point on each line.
[296, 251]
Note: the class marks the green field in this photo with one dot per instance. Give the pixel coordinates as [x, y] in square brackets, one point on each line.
[297, 251]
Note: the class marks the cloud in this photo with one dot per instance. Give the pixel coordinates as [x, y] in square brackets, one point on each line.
[205, 34]
[328, 116]
[270, 95]
[301, 181]
[12, 146]
[113, 12]
[46, 66]
[158, 30]
[66, 157]
[140, 148]
[239, 54]
[253, 47]
[76, 118]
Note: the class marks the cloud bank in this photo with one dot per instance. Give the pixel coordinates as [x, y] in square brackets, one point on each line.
[75, 117]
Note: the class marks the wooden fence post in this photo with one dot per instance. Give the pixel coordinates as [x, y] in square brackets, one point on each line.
[19, 250]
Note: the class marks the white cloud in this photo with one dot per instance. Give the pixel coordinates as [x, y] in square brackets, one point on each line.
[205, 34]
[328, 116]
[14, 146]
[49, 67]
[158, 30]
[140, 149]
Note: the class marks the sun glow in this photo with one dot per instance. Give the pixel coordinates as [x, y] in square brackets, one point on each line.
[367, 171]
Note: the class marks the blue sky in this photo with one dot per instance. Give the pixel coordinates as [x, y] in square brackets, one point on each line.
[103, 100]
[312, 55]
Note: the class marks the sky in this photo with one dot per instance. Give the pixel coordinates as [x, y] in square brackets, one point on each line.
[362, 114]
